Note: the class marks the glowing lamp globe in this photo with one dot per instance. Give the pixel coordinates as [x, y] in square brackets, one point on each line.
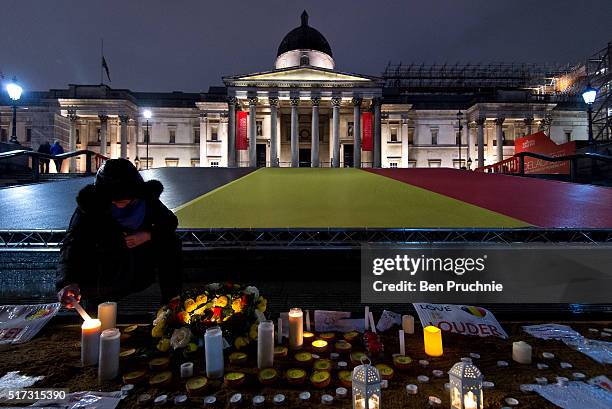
[589, 95]
[147, 114]
[366, 386]
[466, 386]
[14, 90]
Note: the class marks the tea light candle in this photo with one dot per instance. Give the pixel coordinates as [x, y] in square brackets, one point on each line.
[432, 338]
[423, 378]
[236, 399]
[278, 399]
[578, 376]
[160, 400]
[213, 352]
[187, 370]
[526, 388]
[548, 355]
[474, 355]
[341, 392]
[408, 324]
[540, 380]
[437, 373]
[143, 399]
[90, 341]
[107, 314]
[307, 320]
[423, 362]
[180, 400]
[304, 397]
[327, 399]
[342, 365]
[488, 385]
[319, 346]
[435, 401]
[279, 332]
[366, 320]
[308, 337]
[502, 364]
[511, 401]
[265, 344]
[402, 343]
[210, 401]
[562, 381]
[258, 400]
[542, 366]
[334, 356]
[109, 354]
[412, 389]
[296, 328]
[565, 365]
[521, 352]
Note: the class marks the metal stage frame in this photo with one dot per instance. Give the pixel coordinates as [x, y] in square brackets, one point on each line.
[208, 239]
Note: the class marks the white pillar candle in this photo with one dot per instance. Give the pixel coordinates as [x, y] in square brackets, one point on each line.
[307, 320]
[213, 351]
[187, 370]
[521, 352]
[265, 344]
[372, 325]
[402, 343]
[366, 320]
[109, 354]
[90, 341]
[107, 314]
[279, 332]
[296, 328]
[408, 324]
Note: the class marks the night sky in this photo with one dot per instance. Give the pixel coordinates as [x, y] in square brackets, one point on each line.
[162, 45]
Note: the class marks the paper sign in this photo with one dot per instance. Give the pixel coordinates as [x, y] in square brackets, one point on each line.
[576, 395]
[327, 321]
[460, 319]
[388, 319]
[350, 324]
[20, 323]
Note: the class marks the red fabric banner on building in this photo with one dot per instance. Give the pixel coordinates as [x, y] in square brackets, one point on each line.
[242, 140]
[540, 143]
[366, 140]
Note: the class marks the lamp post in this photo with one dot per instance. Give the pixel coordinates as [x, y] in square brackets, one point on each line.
[459, 117]
[14, 91]
[469, 164]
[147, 114]
[589, 95]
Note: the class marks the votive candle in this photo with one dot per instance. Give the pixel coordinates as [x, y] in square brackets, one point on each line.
[307, 320]
[432, 337]
[521, 352]
[213, 351]
[107, 314]
[372, 325]
[265, 344]
[186, 369]
[408, 324]
[109, 354]
[90, 341]
[296, 328]
[366, 320]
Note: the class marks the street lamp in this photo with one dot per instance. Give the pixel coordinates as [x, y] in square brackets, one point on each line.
[589, 95]
[14, 91]
[459, 117]
[147, 114]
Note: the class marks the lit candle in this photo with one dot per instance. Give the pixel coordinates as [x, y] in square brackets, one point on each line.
[521, 352]
[366, 320]
[265, 344]
[408, 324]
[279, 332]
[213, 351]
[469, 400]
[372, 326]
[432, 337]
[307, 320]
[90, 341]
[109, 354]
[296, 328]
[402, 343]
[107, 314]
[319, 346]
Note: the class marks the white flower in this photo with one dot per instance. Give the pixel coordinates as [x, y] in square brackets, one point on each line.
[180, 338]
[214, 286]
[252, 290]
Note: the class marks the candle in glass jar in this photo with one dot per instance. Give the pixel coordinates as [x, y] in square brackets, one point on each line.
[265, 344]
[296, 328]
[107, 314]
[408, 324]
[109, 354]
[213, 351]
[521, 352]
[90, 341]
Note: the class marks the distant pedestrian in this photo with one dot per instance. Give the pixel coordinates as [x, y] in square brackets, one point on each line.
[45, 147]
[56, 149]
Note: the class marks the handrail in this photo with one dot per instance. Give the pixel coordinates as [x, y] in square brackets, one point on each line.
[37, 156]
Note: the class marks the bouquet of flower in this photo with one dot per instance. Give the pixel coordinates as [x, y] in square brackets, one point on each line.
[184, 320]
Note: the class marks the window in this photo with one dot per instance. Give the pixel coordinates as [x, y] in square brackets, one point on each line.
[304, 60]
[196, 135]
[214, 133]
[28, 134]
[172, 135]
[146, 163]
[349, 130]
[259, 128]
[457, 164]
[434, 163]
[412, 163]
[214, 163]
[393, 134]
[172, 162]
[99, 135]
[78, 136]
[195, 163]
[568, 136]
[393, 164]
[3, 135]
[508, 136]
[434, 136]
[410, 136]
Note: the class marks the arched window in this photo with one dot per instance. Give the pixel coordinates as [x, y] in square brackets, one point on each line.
[304, 60]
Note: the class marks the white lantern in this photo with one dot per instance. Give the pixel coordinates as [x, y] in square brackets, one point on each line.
[466, 386]
[366, 386]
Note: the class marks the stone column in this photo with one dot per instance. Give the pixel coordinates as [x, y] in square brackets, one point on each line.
[499, 136]
[103, 133]
[295, 142]
[223, 135]
[314, 150]
[405, 144]
[252, 132]
[376, 160]
[273, 131]
[203, 139]
[72, 116]
[356, 132]
[480, 124]
[468, 141]
[336, 101]
[231, 137]
[123, 120]
[529, 124]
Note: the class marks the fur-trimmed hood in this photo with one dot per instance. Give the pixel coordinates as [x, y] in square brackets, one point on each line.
[91, 199]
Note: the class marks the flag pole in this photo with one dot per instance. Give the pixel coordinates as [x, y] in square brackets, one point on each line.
[101, 57]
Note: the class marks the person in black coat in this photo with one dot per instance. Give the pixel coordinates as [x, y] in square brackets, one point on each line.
[120, 237]
[44, 163]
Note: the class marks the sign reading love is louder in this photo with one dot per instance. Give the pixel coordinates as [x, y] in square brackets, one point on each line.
[460, 319]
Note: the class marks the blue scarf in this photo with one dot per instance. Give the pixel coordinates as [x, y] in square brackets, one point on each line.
[132, 216]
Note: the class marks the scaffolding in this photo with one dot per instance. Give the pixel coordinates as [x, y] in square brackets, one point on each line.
[599, 75]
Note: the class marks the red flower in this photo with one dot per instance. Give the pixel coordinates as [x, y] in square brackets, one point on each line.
[216, 312]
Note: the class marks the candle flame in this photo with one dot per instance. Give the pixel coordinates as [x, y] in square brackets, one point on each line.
[91, 323]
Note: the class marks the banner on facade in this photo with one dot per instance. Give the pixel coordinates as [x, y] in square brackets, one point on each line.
[366, 140]
[540, 143]
[242, 141]
[460, 319]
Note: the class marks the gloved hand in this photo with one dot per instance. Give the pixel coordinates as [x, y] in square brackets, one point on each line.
[69, 294]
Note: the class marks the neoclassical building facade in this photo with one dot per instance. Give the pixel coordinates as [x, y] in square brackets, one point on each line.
[303, 112]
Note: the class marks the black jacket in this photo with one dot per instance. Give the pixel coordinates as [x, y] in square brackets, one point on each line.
[94, 254]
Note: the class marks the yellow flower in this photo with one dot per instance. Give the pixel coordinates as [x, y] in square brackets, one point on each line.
[237, 305]
[163, 345]
[262, 304]
[241, 342]
[190, 305]
[199, 311]
[157, 331]
[253, 332]
[221, 301]
[201, 299]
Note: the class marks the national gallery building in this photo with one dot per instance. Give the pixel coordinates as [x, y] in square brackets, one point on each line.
[304, 112]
